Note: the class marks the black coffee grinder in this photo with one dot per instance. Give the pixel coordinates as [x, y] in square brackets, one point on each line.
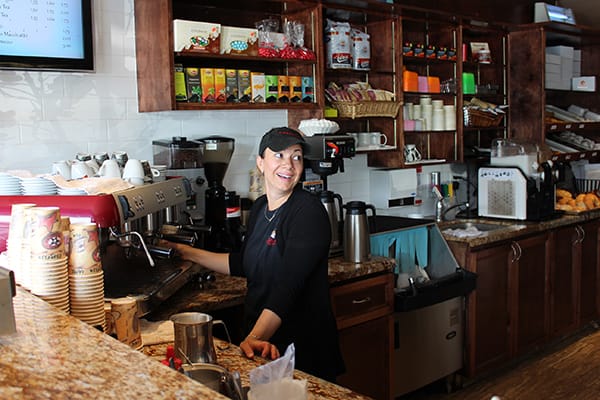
[217, 154]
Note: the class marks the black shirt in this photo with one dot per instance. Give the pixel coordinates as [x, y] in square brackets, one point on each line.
[285, 261]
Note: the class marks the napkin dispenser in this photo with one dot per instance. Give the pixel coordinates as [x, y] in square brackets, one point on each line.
[8, 290]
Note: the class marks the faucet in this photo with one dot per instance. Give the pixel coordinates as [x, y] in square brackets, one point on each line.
[463, 206]
[440, 206]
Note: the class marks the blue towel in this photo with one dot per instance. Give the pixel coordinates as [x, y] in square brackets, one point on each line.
[410, 245]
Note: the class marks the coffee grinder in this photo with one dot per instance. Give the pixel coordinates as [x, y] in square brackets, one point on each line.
[183, 158]
[217, 154]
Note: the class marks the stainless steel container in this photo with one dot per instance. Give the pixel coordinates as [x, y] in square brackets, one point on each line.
[194, 338]
[357, 245]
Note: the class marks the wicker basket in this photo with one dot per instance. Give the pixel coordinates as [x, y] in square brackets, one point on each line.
[358, 109]
[475, 118]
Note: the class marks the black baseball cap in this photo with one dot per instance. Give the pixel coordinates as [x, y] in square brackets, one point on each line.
[278, 139]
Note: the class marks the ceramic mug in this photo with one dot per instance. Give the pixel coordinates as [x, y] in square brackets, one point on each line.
[364, 139]
[378, 139]
[134, 172]
[110, 169]
[79, 169]
[411, 153]
[62, 168]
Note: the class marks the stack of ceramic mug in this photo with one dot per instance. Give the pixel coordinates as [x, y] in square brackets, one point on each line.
[86, 278]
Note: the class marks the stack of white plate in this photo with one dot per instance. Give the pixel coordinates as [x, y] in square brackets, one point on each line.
[36, 186]
[49, 280]
[10, 185]
[71, 192]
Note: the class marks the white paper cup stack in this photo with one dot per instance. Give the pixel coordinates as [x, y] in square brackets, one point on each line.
[86, 278]
[48, 267]
[450, 117]
[15, 241]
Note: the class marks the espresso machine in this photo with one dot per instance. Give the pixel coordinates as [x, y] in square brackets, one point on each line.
[130, 223]
[323, 157]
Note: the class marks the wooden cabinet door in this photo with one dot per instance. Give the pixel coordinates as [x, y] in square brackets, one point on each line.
[563, 280]
[488, 343]
[589, 277]
[366, 349]
[528, 294]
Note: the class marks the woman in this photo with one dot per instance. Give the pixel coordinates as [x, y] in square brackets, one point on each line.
[285, 260]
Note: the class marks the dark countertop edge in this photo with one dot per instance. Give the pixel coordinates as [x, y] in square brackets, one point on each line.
[521, 228]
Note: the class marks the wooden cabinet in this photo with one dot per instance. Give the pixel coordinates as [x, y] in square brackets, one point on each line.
[528, 91]
[156, 57]
[507, 312]
[363, 311]
[381, 24]
[589, 294]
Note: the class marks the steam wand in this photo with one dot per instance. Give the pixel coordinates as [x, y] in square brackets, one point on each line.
[120, 236]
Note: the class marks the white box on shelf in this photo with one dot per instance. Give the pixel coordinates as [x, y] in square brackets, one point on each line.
[552, 59]
[241, 41]
[196, 36]
[584, 84]
[553, 69]
[563, 51]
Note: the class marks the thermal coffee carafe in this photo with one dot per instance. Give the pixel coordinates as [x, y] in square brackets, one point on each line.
[217, 154]
[328, 198]
[357, 241]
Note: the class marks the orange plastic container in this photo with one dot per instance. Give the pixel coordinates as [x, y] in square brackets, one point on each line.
[410, 81]
[434, 84]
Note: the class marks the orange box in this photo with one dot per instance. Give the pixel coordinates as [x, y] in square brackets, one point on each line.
[434, 84]
[220, 86]
[295, 83]
[410, 81]
[207, 79]
[283, 89]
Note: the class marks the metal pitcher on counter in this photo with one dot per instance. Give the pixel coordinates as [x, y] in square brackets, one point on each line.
[357, 245]
[335, 213]
[194, 338]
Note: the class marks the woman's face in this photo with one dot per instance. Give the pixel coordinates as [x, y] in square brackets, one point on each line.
[281, 169]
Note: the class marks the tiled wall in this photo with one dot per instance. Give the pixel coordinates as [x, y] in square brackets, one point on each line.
[48, 116]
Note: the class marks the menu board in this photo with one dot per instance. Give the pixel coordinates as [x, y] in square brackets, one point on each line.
[41, 28]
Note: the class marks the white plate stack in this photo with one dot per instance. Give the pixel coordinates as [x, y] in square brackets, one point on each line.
[10, 185]
[36, 186]
[46, 272]
[86, 278]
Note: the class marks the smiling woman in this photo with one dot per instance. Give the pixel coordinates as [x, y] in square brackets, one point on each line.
[285, 260]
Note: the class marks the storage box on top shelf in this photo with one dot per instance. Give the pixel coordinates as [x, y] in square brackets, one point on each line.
[584, 84]
[239, 41]
[203, 37]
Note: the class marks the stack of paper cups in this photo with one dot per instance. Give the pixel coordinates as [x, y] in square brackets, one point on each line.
[16, 243]
[427, 110]
[450, 117]
[438, 119]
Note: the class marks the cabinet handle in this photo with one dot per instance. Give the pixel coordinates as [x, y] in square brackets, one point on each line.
[361, 301]
[580, 234]
[517, 251]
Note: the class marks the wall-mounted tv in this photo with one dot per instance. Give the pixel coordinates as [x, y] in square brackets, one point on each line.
[46, 35]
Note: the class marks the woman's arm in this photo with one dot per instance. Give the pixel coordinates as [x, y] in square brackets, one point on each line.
[218, 262]
[258, 339]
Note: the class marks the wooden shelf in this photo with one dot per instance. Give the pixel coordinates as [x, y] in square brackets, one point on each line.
[576, 127]
[244, 106]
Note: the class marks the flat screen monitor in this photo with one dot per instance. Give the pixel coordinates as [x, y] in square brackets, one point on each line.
[46, 35]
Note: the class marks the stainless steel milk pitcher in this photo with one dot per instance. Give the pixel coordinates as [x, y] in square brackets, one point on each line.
[194, 338]
[357, 245]
[328, 198]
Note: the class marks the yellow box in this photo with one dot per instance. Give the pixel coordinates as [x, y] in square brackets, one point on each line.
[244, 86]
[220, 85]
[207, 77]
[179, 82]
[295, 88]
[283, 88]
[257, 80]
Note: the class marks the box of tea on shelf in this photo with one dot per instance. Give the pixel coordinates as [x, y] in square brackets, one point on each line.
[271, 88]
[231, 85]
[239, 41]
[257, 80]
[179, 83]
[207, 79]
[308, 89]
[220, 85]
[203, 37]
[283, 88]
[244, 85]
[295, 88]
[192, 83]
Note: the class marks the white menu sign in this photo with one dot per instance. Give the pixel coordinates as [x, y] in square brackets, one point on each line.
[41, 28]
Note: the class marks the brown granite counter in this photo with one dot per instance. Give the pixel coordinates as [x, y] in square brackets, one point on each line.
[512, 229]
[55, 356]
[228, 291]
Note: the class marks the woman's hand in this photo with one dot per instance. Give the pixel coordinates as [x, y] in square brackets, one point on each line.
[251, 346]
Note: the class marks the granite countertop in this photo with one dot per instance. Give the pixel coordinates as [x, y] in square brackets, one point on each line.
[55, 356]
[513, 228]
[228, 291]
